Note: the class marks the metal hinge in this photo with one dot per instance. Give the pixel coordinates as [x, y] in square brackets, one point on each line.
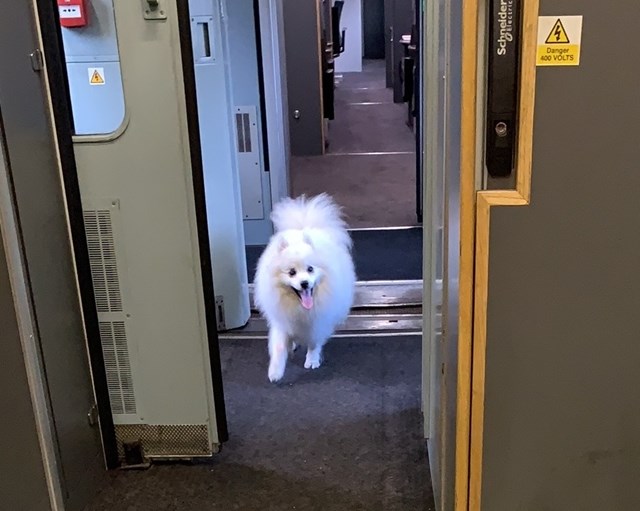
[92, 415]
[220, 313]
[134, 456]
[37, 62]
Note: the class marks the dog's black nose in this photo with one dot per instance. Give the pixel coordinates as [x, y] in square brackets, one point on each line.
[304, 284]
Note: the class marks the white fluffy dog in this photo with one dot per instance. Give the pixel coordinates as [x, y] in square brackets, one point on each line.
[305, 279]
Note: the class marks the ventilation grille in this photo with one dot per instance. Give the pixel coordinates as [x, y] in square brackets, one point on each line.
[102, 257]
[249, 161]
[166, 440]
[243, 129]
[118, 367]
[106, 286]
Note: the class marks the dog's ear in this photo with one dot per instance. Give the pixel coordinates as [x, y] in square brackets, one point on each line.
[282, 243]
[306, 236]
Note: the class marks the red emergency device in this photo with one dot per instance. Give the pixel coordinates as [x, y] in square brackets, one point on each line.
[73, 13]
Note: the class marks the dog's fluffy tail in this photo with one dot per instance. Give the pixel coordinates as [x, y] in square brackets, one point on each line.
[319, 212]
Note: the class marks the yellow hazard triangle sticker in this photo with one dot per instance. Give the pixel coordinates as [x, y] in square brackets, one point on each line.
[558, 34]
[96, 79]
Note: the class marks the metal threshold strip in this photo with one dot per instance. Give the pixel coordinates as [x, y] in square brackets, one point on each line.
[370, 103]
[355, 326]
[371, 153]
[392, 228]
[389, 308]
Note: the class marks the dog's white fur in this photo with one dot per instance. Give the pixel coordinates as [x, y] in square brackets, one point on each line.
[311, 244]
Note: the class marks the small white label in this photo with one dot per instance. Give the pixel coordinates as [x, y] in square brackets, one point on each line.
[96, 76]
[69, 11]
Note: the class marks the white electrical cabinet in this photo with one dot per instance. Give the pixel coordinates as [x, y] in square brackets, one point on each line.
[143, 216]
[226, 153]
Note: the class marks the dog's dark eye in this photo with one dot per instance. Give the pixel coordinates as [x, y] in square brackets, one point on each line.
[310, 269]
[292, 272]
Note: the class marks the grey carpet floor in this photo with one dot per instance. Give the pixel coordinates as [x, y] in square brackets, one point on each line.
[372, 75]
[375, 190]
[347, 94]
[347, 436]
[370, 127]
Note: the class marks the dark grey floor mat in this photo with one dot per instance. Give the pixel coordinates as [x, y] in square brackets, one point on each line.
[381, 254]
[347, 436]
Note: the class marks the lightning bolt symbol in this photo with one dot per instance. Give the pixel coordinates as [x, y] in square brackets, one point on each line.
[557, 32]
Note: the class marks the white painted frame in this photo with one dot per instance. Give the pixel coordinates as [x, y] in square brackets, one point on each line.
[275, 91]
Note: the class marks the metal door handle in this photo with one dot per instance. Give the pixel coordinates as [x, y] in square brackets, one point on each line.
[206, 39]
[503, 71]
[202, 39]
[153, 10]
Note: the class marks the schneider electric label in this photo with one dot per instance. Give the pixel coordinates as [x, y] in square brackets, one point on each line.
[559, 39]
[505, 22]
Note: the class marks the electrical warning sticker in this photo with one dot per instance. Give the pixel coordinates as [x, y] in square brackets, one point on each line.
[559, 39]
[96, 75]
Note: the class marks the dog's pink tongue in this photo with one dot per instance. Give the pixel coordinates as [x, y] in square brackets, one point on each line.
[306, 298]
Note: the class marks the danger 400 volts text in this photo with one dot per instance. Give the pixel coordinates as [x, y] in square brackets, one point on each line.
[558, 55]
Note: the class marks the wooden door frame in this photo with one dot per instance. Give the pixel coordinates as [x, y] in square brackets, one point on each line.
[475, 212]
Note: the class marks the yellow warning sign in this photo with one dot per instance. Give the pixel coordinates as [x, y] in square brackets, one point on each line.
[96, 76]
[558, 34]
[559, 40]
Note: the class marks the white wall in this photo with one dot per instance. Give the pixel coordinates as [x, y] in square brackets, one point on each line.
[351, 20]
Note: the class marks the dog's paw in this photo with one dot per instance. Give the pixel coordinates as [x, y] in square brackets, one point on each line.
[276, 371]
[313, 360]
[275, 375]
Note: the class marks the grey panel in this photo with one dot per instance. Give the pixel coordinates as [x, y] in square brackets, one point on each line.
[303, 76]
[98, 109]
[326, 21]
[403, 18]
[249, 158]
[21, 463]
[562, 409]
[451, 272]
[40, 203]
[443, 57]
[435, 381]
[219, 147]
[245, 90]
[97, 41]
[98, 105]
[373, 28]
[201, 7]
[388, 41]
